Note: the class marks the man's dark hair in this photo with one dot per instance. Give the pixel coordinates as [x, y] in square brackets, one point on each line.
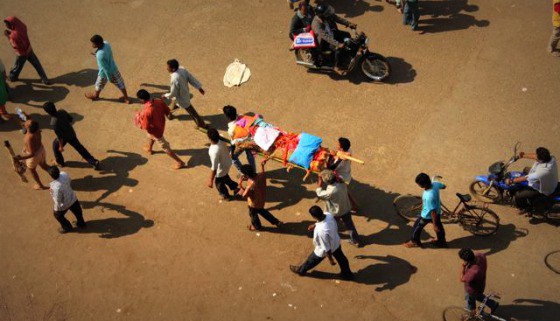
[316, 212]
[467, 255]
[543, 155]
[344, 143]
[213, 135]
[423, 180]
[50, 108]
[230, 112]
[248, 170]
[54, 172]
[173, 63]
[33, 127]
[97, 39]
[143, 94]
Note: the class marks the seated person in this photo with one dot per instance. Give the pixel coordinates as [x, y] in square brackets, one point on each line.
[325, 27]
[301, 20]
[542, 179]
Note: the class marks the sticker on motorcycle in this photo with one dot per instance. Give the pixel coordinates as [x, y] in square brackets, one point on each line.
[305, 40]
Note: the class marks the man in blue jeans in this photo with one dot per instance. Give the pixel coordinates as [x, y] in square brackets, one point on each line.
[431, 211]
[231, 114]
[473, 275]
[327, 244]
[61, 123]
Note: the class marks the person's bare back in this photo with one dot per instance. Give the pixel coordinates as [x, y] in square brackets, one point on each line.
[33, 142]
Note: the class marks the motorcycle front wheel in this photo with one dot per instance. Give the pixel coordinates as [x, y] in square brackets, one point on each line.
[483, 193]
[375, 67]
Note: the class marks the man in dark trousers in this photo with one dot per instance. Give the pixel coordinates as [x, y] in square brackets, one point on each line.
[473, 275]
[64, 199]
[61, 123]
[327, 244]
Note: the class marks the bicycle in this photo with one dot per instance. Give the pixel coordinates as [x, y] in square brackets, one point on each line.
[477, 219]
[552, 261]
[455, 313]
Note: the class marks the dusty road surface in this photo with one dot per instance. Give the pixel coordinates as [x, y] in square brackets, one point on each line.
[160, 245]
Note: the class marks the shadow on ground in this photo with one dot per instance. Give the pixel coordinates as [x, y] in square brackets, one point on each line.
[353, 8]
[390, 273]
[127, 222]
[530, 310]
[447, 15]
[114, 174]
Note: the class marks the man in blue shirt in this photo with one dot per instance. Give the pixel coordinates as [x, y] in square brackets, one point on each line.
[431, 211]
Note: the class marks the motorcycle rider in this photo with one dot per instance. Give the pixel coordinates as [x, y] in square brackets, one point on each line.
[325, 27]
[301, 20]
[542, 179]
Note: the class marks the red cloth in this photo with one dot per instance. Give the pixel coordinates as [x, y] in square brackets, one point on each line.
[18, 37]
[557, 7]
[153, 117]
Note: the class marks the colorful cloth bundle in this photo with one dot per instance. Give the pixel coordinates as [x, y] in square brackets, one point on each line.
[303, 150]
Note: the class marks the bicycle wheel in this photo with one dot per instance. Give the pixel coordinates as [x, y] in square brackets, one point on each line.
[479, 220]
[552, 261]
[408, 206]
[457, 314]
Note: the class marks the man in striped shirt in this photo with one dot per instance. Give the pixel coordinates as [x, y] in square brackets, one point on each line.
[64, 199]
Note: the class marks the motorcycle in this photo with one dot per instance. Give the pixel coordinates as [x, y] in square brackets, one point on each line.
[355, 53]
[493, 188]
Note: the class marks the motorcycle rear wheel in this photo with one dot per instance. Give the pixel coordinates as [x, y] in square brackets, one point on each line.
[304, 55]
[482, 193]
[375, 67]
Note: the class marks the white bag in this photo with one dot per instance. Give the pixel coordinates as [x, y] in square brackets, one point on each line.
[236, 74]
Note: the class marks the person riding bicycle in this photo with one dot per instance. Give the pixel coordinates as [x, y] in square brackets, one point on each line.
[473, 275]
[542, 180]
[325, 27]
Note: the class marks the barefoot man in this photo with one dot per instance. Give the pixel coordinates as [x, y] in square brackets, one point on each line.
[33, 153]
[152, 120]
[108, 70]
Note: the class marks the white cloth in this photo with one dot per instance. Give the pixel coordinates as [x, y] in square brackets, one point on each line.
[219, 156]
[62, 193]
[544, 176]
[265, 137]
[344, 169]
[336, 198]
[179, 87]
[236, 74]
[325, 236]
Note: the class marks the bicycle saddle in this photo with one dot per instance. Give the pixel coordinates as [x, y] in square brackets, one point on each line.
[464, 197]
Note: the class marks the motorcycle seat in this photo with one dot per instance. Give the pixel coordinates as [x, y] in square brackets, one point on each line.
[464, 197]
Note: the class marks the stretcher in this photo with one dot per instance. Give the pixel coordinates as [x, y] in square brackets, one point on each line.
[293, 150]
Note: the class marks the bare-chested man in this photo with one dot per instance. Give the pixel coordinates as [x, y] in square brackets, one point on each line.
[34, 153]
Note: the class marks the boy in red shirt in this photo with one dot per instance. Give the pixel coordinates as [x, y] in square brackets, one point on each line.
[473, 275]
[152, 119]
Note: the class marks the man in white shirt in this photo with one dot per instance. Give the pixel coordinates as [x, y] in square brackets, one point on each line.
[64, 199]
[327, 244]
[221, 163]
[179, 89]
[335, 195]
[542, 180]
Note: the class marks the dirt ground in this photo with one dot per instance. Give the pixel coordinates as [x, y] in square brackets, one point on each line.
[160, 245]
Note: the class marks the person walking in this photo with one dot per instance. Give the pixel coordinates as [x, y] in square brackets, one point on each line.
[3, 93]
[410, 12]
[33, 152]
[16, 32]
[64, 199]
[343, 167]
[221, 163]
[108, 70]
[255, 192]
[327, 244]
[179, 89]
[473, 275]
[231, 114]
[61, 123]
[152, 120]
[335, 195]
[555, 37]
[431, 211]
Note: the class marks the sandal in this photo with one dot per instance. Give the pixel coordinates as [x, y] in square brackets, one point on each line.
[92, 96]
[251, 228]
[411, 244]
